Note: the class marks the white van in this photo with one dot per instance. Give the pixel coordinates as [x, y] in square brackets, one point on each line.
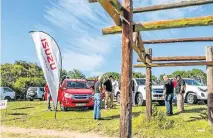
[7, 93]
[35, 93]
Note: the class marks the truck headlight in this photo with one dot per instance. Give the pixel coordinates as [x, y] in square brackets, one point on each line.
[67, 95]
[203, 90]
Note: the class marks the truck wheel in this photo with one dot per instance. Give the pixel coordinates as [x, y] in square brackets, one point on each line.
[8, 98]
[191, 98]
[118, 97]
[139, 99]
[161, 103]
[62, 107]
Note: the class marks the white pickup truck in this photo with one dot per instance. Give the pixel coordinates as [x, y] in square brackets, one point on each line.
[195, 91]
[139, 92]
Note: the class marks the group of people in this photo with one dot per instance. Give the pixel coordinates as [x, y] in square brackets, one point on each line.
[108, 87]
[177, 87]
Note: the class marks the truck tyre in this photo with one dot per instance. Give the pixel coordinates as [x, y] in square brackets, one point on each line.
[118, 97]
[62, 107]
[191, 98]
[139, 99]
[8, 98]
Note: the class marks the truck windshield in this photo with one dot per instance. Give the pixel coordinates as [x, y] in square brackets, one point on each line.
[140, 81]
[192, 82]
[77, 85]
[143, 82]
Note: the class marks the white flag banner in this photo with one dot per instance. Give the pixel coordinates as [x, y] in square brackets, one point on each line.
[50, 59]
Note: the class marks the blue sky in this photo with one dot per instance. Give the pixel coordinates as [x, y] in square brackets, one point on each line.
[76, 26]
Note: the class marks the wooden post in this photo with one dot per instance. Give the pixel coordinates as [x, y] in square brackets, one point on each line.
[126, 72]
[209, 57]
[148, 85]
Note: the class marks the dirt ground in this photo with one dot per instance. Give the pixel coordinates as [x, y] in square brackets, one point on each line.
[39, 133]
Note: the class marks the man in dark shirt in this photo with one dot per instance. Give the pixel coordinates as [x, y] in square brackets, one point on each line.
[97, 99]
[168, 94]
[108, 91]
[179, 90]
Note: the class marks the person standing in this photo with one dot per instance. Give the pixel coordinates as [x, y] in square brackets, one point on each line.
[48, 97]
[97, 100]
[180, 89]
[168, 94]
[108, 91]
[115, 88]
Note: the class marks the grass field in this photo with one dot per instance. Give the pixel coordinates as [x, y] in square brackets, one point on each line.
[191, 123]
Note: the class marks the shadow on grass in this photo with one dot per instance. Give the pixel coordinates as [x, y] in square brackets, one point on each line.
[134, 114]
[5, 120]
[194, 110]
[17, 114]
[28, 107]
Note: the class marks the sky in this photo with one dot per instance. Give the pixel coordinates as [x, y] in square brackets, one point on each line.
[76, 26]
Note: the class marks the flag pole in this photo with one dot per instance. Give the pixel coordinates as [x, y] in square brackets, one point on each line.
[56, 108]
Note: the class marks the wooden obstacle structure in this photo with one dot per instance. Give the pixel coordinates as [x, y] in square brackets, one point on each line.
[122, 15]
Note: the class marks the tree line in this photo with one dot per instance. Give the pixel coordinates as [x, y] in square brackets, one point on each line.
[21, 75]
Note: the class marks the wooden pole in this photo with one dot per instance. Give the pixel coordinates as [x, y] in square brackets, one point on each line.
[173, 64]
[209, 57]
[172, 5]
[177, 58]
[164, 24]
[148, 85]
[126, 72]
[199, 39]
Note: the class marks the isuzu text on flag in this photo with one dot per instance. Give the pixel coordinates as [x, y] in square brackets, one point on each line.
[50, 59]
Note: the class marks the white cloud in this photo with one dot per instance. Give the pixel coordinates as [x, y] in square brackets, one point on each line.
[80, 25]
[83, 62]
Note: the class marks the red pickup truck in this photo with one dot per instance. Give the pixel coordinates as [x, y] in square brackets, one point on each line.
[74, 93]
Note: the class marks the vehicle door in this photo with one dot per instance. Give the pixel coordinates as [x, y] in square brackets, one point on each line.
[40, 92]
[1, 94]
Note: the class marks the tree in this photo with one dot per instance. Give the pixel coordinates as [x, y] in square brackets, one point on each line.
[20, 75]
[196, 74]
[76, 74]
[138, 75]
[115, 75]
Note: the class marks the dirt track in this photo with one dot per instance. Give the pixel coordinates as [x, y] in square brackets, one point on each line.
[46, 132]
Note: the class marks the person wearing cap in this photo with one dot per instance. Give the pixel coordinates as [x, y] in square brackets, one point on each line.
[97, 100]
[168, 94]
[179, 90]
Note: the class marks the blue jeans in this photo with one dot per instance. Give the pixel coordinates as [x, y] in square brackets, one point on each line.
[168, 103]
[97, 106]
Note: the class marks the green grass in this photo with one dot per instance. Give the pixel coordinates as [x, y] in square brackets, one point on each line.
[189, 124]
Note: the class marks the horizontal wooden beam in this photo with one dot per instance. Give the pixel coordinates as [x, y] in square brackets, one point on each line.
[92, 1]
[177, 58]
[199, 39]
[172, 5]
[164, 24]
[173, 64]
[109, 8]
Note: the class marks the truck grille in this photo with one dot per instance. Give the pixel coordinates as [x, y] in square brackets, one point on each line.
[157, 91]
[80, 97]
